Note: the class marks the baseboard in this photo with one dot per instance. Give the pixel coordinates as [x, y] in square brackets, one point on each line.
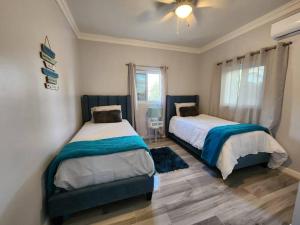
[291, 172]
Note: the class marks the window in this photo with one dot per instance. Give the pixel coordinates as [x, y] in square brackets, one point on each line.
[148, 85]
[236, 85]
[141, 86]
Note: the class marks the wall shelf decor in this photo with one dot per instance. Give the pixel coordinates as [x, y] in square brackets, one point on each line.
[51, 86]
[49, 73]
[49, 65]
[51, 80]
[49, 62]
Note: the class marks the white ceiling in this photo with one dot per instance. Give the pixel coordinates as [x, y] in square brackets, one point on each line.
[138, 19]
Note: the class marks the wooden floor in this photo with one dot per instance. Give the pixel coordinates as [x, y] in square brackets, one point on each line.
[198, 195]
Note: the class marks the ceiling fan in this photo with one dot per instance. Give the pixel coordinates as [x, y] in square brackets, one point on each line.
[183, 8]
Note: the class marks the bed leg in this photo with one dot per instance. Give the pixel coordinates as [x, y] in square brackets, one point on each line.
[57, 220]
[149, 196]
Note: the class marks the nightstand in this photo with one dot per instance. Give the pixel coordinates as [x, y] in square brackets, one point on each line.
[155, 125]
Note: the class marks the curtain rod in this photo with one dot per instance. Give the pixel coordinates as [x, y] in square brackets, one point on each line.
[255, 53]
[148, 66]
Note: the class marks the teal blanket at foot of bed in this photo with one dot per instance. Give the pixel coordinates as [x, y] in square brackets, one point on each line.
[217, 136]
[91, 148]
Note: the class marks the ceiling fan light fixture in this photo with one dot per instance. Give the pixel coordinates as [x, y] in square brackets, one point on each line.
[184, 10]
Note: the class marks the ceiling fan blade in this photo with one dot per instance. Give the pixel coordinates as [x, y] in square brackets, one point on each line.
[167, 17]
[163, 9]
[166, 1]
[160, 13]
[207, 4]
[195, 2]
[164, 6]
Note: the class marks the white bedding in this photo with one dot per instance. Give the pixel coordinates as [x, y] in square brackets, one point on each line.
[85, 171]
[193, 130]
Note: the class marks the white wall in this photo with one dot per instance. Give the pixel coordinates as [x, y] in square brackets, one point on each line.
[34, 122]
[288, 133]
[103, 70]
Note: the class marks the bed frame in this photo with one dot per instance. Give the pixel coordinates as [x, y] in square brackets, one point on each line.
[64, 203]
[243, 162]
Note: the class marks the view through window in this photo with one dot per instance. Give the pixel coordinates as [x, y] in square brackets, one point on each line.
[148, 84]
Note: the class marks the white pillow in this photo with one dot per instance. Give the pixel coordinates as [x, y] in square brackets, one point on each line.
[185, 104]
[105, 108]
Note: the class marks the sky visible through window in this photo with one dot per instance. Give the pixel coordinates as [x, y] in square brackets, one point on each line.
[148, 86]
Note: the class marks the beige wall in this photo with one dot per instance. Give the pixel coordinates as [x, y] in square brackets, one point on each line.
[103, 70]
[288, 134]
[34, 122]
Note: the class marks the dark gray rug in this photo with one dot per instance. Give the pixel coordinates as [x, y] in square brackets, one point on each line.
[166, 160]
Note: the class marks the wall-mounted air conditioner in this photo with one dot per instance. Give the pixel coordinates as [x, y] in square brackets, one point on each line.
[286, 27]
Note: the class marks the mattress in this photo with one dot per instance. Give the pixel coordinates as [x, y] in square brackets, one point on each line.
[194, 130]
[81, 172]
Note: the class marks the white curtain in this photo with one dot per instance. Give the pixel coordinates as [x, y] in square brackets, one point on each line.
[215, 92]
[250, 89]
[132, 91]
[276, 63]
[164, 93]
[146, 105]
[242, 89]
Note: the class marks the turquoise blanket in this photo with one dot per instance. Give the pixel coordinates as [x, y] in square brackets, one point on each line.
[91, 148]
[217, 136]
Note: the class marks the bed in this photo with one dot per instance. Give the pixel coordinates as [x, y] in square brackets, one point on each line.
[190, 132]
[77, 188]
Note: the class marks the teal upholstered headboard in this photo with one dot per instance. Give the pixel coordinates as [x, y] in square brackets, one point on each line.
[89, 101]
[170, 106]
